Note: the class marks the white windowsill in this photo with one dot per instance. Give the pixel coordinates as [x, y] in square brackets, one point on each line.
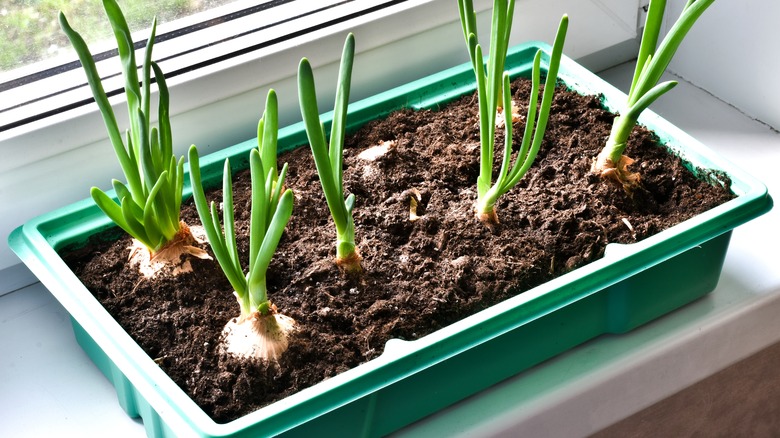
[574, 394]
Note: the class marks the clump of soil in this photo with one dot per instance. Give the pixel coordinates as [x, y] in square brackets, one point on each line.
[418, 275]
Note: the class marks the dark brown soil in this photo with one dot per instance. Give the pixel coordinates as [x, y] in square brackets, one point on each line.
[419, 276]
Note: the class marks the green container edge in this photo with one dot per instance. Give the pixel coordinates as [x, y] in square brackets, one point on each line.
[612, 295]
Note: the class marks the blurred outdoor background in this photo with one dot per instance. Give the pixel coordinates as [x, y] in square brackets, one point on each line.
[30, 32]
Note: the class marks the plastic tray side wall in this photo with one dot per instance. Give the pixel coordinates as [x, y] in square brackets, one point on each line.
[131, 401]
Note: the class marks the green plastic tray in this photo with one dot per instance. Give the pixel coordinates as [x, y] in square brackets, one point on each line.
[630, 286]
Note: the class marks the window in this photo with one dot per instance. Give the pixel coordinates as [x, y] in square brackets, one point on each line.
[226, 30]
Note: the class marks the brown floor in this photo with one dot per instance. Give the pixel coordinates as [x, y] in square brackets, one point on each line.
[740, 401]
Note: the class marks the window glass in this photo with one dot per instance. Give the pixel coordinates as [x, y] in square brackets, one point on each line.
[41, 77]
[30, 32]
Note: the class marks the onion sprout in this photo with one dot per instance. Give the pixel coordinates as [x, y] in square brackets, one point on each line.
[493, 91]
[149, 204]
[329, 158]
[270, 212]
[645, 89]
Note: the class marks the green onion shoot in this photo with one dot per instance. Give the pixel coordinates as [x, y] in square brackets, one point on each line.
[329, 158]
[493, 91]
[149, 205]
[652, 61]
[260, 331]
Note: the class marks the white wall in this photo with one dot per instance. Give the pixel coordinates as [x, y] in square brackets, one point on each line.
[733, 52]
[53, 163]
